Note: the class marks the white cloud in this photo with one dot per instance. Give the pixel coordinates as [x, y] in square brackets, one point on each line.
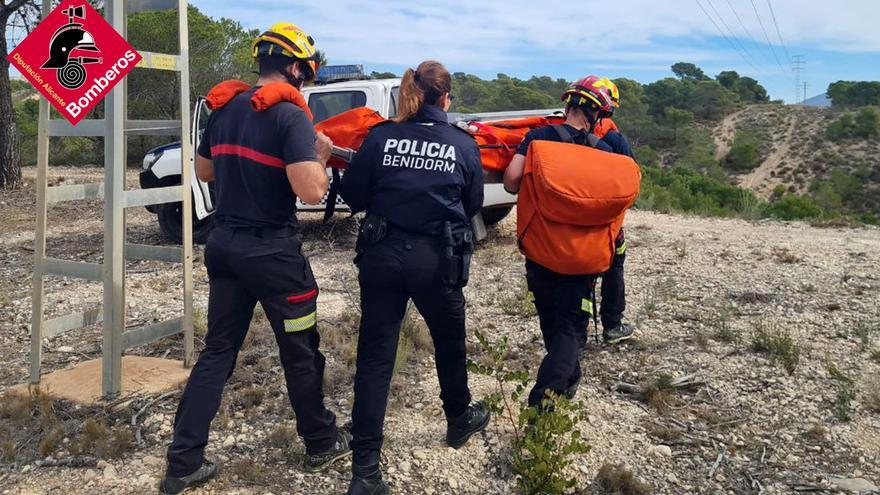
[488, 35]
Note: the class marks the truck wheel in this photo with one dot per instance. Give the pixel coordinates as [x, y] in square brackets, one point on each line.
[170, 221]
[495, 214]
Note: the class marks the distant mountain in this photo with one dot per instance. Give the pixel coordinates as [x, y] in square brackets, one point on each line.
[820, 101]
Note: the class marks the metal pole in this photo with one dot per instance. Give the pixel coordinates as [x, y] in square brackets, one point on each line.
[186, 157]
[114, 224]
[37, 298]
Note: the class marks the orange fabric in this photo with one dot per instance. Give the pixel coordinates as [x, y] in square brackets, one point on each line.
[224, 92]
[572, 204]
[348, 130]
[605, 126]
[276, 92]
[265, 97]
[498, 140]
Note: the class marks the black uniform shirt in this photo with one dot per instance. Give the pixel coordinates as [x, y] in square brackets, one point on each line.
[548, 133]
[417, 174]
[250, 151]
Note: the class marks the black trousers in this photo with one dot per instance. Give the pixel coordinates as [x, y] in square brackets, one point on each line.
[613, 287]
[392, 272]
[244, 269]
[564, 306]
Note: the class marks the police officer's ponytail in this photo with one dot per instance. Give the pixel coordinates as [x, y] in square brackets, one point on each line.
[423, 86]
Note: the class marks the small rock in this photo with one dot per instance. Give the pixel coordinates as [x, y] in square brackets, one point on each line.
[152, 461]
[662, 450]
[857, 485]
[66, 349]
[405, 466]
[420, 454]
[228, 441]
[89, 475]
[110, 472]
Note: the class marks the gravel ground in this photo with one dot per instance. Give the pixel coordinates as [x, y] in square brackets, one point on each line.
[699, 289]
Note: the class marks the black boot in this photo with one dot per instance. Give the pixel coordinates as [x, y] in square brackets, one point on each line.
[173, 486]
[474, 419]
[367, 480]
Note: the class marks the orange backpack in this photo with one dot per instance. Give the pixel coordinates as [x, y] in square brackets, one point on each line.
[572, 204]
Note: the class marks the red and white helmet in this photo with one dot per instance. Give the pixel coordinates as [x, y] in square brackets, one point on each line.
[589, 91]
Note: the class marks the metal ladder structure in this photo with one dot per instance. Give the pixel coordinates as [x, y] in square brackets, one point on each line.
[114, 128]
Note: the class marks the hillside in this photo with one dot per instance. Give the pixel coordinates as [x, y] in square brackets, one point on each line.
[734, 302]
[796, 154]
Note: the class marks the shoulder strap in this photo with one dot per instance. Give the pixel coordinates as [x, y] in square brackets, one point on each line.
[592, 140]
[564, 135]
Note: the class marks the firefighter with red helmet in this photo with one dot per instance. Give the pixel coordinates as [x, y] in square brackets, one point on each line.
[563, 302]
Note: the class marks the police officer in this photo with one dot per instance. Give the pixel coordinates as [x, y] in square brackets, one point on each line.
[260, 163]
[563, 301]
[420, 181]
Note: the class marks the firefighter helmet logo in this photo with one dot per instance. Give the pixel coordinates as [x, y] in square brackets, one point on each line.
[68, 41]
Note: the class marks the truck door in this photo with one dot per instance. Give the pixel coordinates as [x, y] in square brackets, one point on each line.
[203, 202]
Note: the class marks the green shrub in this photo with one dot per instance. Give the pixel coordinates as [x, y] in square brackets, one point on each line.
[864, 124]
[778, 344]
[795, 207]
[743, 155]
[544, 442]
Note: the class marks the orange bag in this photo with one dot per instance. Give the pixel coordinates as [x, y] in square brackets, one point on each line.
[348, 130]
[498, 140]
[572, 204]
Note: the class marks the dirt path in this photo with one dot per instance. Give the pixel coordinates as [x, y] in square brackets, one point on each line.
[700, 290]
[761, 180]
[726, 133]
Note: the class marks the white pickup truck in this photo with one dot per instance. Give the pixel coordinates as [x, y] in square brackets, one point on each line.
[161, 166]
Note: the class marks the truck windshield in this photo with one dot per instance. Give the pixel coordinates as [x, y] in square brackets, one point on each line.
[329, 104]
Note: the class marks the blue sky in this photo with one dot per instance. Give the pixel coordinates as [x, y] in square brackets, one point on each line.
[638, 39]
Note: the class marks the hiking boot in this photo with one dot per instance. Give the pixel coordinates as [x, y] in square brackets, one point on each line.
[572, 389]
[618, 334]
[315, 463]
[367, 481]
[173, 486]
[474, 420]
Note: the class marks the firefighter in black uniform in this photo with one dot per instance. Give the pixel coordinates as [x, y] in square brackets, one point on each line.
[563, 302]
[260, 162]
[420, 181]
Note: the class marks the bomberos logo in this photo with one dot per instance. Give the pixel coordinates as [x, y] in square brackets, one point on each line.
[74, 57]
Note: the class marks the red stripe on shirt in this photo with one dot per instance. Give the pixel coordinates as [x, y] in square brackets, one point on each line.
[303, 297]
[249, 153]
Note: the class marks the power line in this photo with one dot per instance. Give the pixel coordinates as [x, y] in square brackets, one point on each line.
[748, 32]
[724, 23]
[778, 32]
[724, 35]
[767, 37]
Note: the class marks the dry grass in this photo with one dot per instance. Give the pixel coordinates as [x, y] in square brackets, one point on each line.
[659, 393]
[520, 302]
[777, 343]
[616, 479]
[282, 437]
[248, 472]
[249, 397]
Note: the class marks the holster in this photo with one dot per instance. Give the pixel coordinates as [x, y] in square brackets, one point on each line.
[458, 249]
[374, 229]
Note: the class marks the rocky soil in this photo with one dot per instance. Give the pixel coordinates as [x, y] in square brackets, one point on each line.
[700, 290]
